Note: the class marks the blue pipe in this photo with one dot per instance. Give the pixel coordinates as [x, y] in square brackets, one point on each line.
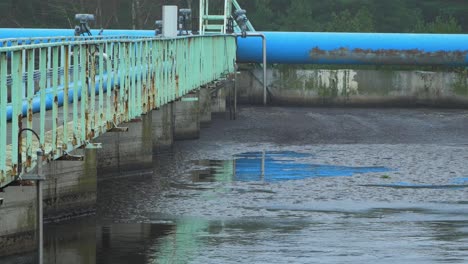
[49, 95]
[48, 32]
[356, 49]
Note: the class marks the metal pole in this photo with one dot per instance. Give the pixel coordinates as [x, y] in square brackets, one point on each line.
[264, 43]
[235, 94]
[40, 221]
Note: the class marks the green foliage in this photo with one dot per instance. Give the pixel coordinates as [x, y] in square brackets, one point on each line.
[440, 25]
[362, 21]
[431, 16]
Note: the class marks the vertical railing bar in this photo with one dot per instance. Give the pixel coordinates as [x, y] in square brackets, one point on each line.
[110, 77]
[123, 53]
[100, 113]
[3, 114]
[49, 65]
[24, 84]
[154, 68]
[132, 81]
[29, 112]
[55, 105]
[62, 63]
[42, 87]
[66, 86]
[138, 102]
[117, 83]
[92, 92]
[76, 68]
[145, 69]
[84, 91]
[17, 99]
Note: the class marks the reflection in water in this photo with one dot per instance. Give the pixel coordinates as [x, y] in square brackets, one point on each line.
[71, 242]
[169, 242]
[272, 167]
[290, 240]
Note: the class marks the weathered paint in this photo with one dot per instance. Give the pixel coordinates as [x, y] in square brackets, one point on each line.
[129, 66]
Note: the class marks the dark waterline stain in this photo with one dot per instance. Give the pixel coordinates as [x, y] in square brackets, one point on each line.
[272, 167]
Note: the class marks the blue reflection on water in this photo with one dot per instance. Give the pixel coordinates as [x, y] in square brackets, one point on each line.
[286, 166]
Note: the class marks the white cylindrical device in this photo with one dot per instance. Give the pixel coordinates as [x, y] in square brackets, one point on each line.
[170, 21]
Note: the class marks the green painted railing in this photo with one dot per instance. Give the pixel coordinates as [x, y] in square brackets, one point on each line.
[72, 91]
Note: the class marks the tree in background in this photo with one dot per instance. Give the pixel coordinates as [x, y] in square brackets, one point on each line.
[431, 16]
[441, 24]
[361, 21]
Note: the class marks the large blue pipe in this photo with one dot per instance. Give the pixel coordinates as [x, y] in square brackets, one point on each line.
[322, 48]
[357, 49]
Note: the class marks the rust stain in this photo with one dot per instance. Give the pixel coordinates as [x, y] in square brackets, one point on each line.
[86, 119]
[56, 136]
[91, 134]
[14, 170]
[74, 141]
[29, 161]
[30, 115]
[177, 84]
[116, 98]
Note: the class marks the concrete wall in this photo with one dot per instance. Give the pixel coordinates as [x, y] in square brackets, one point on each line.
[356, 87]
[218, 100]
[70, 188]
[205, 106]
[163, 127]
[187, 118]
[17, 219]
[130, 152]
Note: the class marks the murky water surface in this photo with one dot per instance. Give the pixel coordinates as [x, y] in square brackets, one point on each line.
[230, 199]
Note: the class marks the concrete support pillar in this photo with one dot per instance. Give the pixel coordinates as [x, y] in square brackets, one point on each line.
[218, 103]
[187, 118]
[205, 107]
[163, 127]
[17, 220]
[70, 188]
[127, 153]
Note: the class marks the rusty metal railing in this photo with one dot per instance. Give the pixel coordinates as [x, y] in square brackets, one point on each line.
[73, 90]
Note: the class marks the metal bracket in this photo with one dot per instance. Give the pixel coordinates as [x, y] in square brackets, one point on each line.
[69, 157]
[90, 145]
[118, 129]
[32, 177]
[189, 99]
